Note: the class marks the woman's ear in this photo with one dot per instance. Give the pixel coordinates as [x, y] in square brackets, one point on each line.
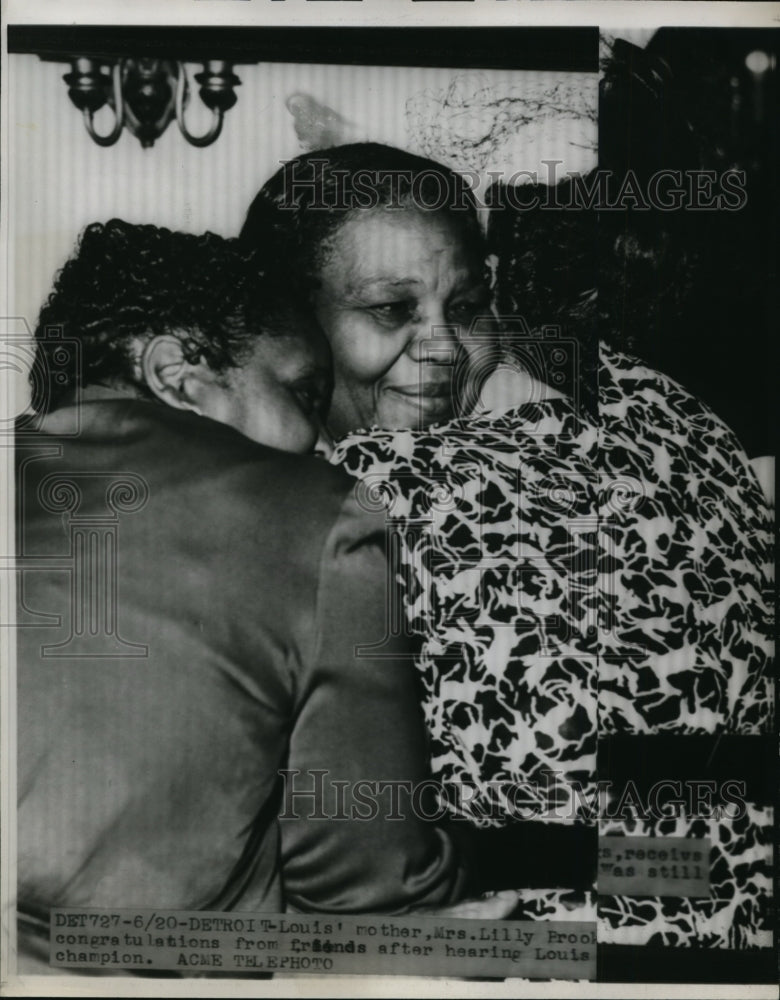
[172, 379]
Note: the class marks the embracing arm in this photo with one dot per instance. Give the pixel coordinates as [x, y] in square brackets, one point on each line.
[356, 845]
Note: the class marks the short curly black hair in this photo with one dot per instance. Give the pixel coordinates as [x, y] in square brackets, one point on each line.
[127, 282]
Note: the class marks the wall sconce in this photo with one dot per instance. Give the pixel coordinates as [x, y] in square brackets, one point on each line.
[147, 94]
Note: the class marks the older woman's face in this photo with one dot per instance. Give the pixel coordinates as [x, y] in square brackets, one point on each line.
[398, 292]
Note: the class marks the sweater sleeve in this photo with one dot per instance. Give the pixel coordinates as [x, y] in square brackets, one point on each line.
[354, 833]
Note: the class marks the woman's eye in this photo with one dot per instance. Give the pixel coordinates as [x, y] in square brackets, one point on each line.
[392, 313]
[466, 310]
[307, 396]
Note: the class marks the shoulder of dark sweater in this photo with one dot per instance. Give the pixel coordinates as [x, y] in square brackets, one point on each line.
[200, 469]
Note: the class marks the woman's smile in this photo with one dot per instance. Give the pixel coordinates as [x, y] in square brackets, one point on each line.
[431, 400]
[425, 390]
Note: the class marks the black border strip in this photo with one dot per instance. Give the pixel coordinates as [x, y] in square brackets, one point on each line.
[648, 964]
[646, 760]
[564, 49]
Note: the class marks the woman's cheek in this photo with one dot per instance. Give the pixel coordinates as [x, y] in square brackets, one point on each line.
[364, 352]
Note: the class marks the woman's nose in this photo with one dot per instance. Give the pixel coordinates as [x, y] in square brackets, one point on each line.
[433, 339]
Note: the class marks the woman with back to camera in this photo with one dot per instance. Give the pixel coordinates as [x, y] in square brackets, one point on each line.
[531, 626]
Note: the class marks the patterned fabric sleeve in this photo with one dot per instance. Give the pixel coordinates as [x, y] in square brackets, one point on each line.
[686, 529]
[495, 520]
[686, 645]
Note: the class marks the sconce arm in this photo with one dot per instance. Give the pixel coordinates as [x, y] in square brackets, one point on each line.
[217, 115]
[119, 112]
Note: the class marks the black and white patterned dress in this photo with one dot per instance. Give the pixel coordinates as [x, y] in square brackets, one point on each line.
[575, 579]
